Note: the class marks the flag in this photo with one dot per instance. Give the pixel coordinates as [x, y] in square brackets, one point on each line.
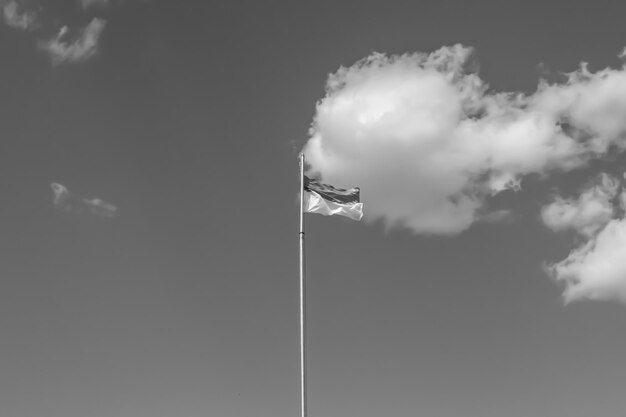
[328, 200]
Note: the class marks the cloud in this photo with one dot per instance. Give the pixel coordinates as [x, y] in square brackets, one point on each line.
[17, 18]
[429, 143]
[76, 25]
[79, 49]
[587, 214]
[497, 216]
[86, 4]
[597, 269]
[66, 201]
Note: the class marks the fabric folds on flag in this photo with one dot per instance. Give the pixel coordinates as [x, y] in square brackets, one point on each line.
[327, 200]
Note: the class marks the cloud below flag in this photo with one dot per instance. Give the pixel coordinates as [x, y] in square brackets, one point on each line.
[327, 200]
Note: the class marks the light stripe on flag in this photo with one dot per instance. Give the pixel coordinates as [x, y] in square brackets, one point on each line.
[328, 200]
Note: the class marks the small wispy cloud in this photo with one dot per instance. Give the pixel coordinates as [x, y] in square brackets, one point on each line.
[76, 26]
[588, 213]
[66, 201]
[17, 18]
[80, 48]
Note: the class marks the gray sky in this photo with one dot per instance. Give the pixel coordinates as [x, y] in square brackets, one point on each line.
[188, 117]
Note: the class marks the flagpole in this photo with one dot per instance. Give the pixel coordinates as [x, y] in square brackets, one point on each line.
[303, 392]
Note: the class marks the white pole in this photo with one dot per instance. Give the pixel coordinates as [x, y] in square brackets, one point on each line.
[303, 396]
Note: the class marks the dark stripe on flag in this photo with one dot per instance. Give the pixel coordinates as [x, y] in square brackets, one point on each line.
[330, 193]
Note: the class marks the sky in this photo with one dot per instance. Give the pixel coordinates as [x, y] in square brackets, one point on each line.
[149, 216]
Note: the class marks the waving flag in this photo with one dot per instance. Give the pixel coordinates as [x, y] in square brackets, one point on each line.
[328, 200]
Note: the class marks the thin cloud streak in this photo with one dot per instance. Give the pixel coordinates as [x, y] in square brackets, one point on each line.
[68, 202]
[87, 4]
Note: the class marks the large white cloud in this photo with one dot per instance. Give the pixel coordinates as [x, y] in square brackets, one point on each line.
[427, 142]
